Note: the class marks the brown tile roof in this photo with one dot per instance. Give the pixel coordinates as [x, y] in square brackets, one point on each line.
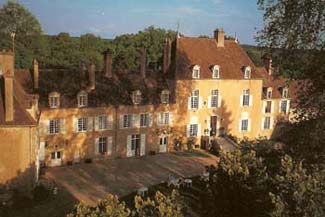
[204, 52]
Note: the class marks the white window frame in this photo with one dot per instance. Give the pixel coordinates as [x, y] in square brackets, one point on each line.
[247, 72]
[244, 127]
[163, 140]
[196, 72]
[136, 97]
[127, 121]
[195, 99]
[54, 101]
[194, 128]
[216, 72]
[281, 108]
[54, 126]
[144, 120]
[82, 124]
[269, 93]
[163, 118]
[265, 109]
[267, 124]
[285, 93]
[82, 100]
[246, 97]
[102, 122]
[134, 138]
[215, 98]
[102, 145]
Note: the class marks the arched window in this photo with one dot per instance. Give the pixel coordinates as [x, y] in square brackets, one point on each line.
[216, 72]
[54, 100]
[196, 72]
[82, 99]
[285, 92]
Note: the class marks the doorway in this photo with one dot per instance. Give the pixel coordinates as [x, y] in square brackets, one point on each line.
[135, 145]
[56, 158]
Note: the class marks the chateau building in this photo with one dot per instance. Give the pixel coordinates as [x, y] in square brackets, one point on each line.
[208, 87]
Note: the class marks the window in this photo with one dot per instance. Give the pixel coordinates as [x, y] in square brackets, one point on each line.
[163, 140]
[269, 93]
[82, 124]
[214, 98]
[246, 97]
[136, 97]
[215, 72]
[268, 107]
[193, 129]
[247, 72]
[102, 122]
[127, 120]
[56, 155]
[164, 96]
[102, 145]
[244, 125]
[285, 93]
[54, 101]
[163, 118]
[195, 99]
[283, 106]
[144, 120]
[135, 139]
[267, 123]
[196, 72]
[54, 126]
[82, 100]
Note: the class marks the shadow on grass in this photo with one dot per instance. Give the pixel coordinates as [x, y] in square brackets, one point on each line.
[194, 153]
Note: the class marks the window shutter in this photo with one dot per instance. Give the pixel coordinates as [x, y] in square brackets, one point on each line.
[288, 106]
[200, 102]
[219, 101]
[249, 125]
[90, 124]
[109, 145]
[96, 123]
[271, 123]
[158, 119]
[135, 120]
[199, 130]
[150, 116]
[280, 102]
[262, 125]
[188, 130]
[171, 117]
[189, 103]
[96, 146]
[109, 121]
[121, 121]
[143, 145]
[239, 127]
[241, 101]
[263, 107]
[250, 100]
[128, 146]
[75, 124]
[62, 126]
[209, 102]
[272, 106]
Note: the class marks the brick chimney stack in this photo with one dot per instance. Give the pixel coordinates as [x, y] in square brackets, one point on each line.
[7, 68]
[36, 74]
[167, 55]
[108, 60]
[219, 36]
[92, 78]
[143, 63]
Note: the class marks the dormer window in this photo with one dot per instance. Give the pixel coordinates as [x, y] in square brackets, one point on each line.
[216, 72]
[54, 100]
[247, 72]
[136, 97]
[82, 99]
[269, 93]
[196, 72]
[285, 92]
[164, 97]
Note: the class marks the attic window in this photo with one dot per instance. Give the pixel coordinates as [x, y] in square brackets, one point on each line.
[247, 72]
[164, 97]
[196, 72]
[269, 93]
[54, 100]
[216, 72]
[82, 99]
[136, 97]
[285, 92]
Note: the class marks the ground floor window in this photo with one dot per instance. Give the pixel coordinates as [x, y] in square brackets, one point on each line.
[267, 123]
[244, 125]
[193, 129]
[102, 145]
[163, 140]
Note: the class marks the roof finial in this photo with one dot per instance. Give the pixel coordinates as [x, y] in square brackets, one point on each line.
[177, 31]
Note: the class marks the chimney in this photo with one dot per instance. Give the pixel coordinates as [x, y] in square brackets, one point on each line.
[36, 74]
[219, 36]
[267, 60]
[167, 55]
[92, 78]
[108, 64]
[7, 68]
[143, 62]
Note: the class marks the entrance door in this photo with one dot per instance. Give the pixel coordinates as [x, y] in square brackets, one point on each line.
[135, 145]
[213, 127]
[163, 141]
[56, 158]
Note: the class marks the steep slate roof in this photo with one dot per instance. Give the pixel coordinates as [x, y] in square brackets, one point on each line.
[21, 116]
[204, 52]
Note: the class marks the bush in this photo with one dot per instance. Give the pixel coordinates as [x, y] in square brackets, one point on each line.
[190, 143]
[21, 200]
[40, 193]
[215, 148]
[178, 145]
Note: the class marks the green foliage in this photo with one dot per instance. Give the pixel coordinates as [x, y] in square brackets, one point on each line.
[160, 206]
[190, 143]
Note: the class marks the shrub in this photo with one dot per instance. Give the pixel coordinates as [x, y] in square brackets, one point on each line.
[178, 145]
[40, 193]
[190, 143]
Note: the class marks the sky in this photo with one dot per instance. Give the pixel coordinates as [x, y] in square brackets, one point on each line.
[110, 18]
